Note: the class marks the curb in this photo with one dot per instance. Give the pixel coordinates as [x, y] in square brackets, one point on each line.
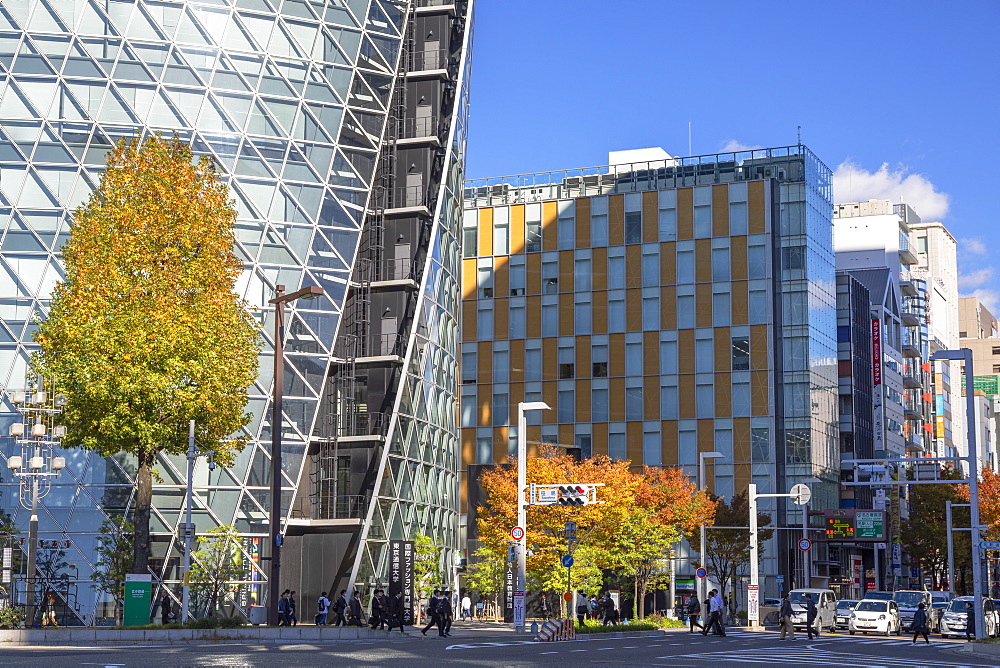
[992, 649]
[73, 636]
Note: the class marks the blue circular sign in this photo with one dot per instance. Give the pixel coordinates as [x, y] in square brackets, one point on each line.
[701, 572]
[567, 560]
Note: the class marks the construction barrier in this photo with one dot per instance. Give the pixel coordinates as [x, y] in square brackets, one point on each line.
[556, 629]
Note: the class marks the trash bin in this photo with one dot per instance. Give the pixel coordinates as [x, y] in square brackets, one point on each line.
[258, 615]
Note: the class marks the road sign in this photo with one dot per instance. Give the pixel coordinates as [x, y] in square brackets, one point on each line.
[800, 494]
[518, 608]
[701, 572]
[753, 603]
[547, 495]
[805, 544]
[989, 545]
[567, 560]
[567, 596]
[517, 533]
[780, 578]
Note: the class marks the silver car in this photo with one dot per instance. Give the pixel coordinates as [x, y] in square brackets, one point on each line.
[844, 609]
[955, 618]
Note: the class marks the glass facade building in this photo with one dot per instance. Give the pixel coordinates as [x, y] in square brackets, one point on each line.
[662, 309]
[340, 127]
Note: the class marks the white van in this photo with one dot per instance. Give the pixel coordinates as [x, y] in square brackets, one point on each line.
[826, 608]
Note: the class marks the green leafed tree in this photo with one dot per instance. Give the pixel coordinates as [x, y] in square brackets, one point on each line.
[146, 333]
[924, 534]
[115, 556]
[426, 568]
[215, 566]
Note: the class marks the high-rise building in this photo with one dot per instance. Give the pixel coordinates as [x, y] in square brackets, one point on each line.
[340, 128]
[662, 307]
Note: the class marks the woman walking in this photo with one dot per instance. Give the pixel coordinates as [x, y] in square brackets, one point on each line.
[919, 625]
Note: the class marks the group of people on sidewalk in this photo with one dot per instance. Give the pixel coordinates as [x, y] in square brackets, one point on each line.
[602, 609]
[386, 611]
[716, 606]
[440, 612]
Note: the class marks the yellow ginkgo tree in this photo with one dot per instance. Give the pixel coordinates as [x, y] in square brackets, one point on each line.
[146, 332]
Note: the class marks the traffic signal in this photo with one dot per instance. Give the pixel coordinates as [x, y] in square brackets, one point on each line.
[573, 495]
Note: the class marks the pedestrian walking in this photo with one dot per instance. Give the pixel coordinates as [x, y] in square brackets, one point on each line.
[714, 615]
[340, 608]
[49, 610]
[595, 607]
[378, 612]
[970, 622]
[811, 613]
[785, 615]
[444, 615]
[283, 609]
[608, 609]
[396, 612]
[322, 609]
[694, 613]
[466, 607]
[166, 609]
[919, 625]
[432, 607]
[293, 616]
[354, 609]
[582, 608]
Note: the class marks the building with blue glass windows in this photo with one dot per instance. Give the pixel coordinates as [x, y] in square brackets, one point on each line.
[340, 127]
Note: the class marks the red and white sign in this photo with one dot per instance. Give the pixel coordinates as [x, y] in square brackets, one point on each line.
[857, 571]
[753, 602]
[876, 351]
[805, 544]
[517, 533]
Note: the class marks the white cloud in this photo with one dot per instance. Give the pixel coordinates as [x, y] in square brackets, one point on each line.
[732, 146]
[852, 183]
[974, 279]
[974, 246]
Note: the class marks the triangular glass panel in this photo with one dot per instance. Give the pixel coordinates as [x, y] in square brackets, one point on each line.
[377, 20]
[34, 195]
[138, 98]
[371, 57]
[308, 197]
[308, 129]
[394, 12]
[250, 162]
[338, 77]
[334, 284]
[354, 133]
[261, 123]
[44, 20]
[334, 214]
[260, 195]
[349, 41]
[93, 22]
[304, 34]
[285, 208]
[143, 27]
[14, 105]
[238, 37]
[323, 255]
[381, 86]
[39, 93]
[186, 101]
[178, 71]
[323, 325]
[225, 150]
[212, 118]
[30, 61]
[162, 112]
[213, 22]
[343, 174]
[115, 110]
[60, 181]
[283, 111]
[191, 31]
[326, 49]
[281, 42]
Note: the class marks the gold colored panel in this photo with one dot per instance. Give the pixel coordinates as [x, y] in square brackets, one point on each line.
[633, 442]
[703, 304]
[599, 269]
[550, 226]
[501, 313]
[706, 438]
[582, 400]
[740, 302]
[616, 220]
[468, 446]
[485, 405]
[616, 399]
[723, 395]
[501, 444]
[484, 362]
[616, 355]
[685, 213]
[566, 273]
[651, 354]
[741, 440]
[723, 349]
[550, 359]
[685, 397]
[756, 203]
[633, 310]
[668, 436]
[668, 307]
[470, 273]
[517, 228]
[469, 320]
[583, 222]
[758, 347]
[703, 261]
[759, 395]
[685, 350]
[501, 276]
[668, 263]
[633, 266]
[650, 216]
[566, 319]
[651, 398]
[599, 438]
[566, 435]
[738, 257]
[720, 210]
[533, 315]
[599, 312]
[516, 396]
[533, 274]
[486, 231]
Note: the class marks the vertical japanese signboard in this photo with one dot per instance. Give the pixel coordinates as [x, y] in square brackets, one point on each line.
[508, 598]
[401, 555]
[878, 415]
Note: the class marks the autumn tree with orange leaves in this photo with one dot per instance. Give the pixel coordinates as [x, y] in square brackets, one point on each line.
[989, 503]
[642, 514]
[146, 332]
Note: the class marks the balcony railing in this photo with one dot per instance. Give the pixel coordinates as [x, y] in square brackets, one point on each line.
[432, 59]
[343, 507]
[373, 345]
[358, 424]
[411, 128]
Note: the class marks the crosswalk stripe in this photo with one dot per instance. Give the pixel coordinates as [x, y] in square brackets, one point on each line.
[818, 657]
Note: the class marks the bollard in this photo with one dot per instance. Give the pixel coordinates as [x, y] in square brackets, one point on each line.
[534, 627]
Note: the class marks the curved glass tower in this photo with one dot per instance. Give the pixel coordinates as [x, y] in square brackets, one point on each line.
[340, 127]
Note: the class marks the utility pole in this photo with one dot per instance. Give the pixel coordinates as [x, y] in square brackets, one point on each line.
[522, 490]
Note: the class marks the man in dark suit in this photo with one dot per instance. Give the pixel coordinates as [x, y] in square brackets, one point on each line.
[396, 612]
[432, 612]
[377, 618]
[444, 614]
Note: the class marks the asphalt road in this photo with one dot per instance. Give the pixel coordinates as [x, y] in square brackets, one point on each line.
[739, 648]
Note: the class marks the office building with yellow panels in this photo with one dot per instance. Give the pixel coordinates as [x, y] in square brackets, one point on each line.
[662, 307]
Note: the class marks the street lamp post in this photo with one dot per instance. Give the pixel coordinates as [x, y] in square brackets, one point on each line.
[522, 474]
[279, 301]
[38, 435]
[703, 582]
[965, 355]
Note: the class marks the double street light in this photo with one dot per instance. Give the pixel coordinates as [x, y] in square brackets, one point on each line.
[279, 301]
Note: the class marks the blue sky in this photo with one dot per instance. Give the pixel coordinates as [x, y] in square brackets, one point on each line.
[906, 95]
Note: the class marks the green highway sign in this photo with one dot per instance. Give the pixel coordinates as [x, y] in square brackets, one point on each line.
[869, 525]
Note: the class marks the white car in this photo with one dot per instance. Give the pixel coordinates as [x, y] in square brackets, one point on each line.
[955, 617]
[873, 616]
